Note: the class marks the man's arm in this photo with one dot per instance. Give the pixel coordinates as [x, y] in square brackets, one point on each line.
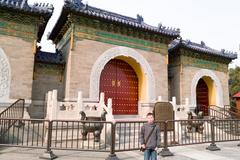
[142, 141]
[142, 135]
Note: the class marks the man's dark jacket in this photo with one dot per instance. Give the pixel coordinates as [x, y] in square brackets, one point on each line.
[155, 138]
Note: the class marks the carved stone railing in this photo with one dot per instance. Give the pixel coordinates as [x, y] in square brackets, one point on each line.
[69, 110]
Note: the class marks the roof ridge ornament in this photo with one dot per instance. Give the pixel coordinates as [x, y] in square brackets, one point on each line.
[160, 26]
[77, 2]
[43, 6]
[203, 43]
[178, 30]
[139, 19]
[180, 39]
[188, 41]
[85, 7]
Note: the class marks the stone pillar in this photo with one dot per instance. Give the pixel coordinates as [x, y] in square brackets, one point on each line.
[187, 104]
[159, 99]
[109, 105]
[186, 101]
[101, 100]
[54, 104]
[49, 105]
[68, 76]
[174, 102]
[109, 116]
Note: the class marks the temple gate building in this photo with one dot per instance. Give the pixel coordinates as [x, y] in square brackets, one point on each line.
[21, 27]
[118, 55]
[198, 74]
[131, 62]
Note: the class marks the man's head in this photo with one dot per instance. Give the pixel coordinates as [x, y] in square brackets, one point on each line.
[150, 117]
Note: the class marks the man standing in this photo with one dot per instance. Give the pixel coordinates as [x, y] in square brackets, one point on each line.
[150, 138]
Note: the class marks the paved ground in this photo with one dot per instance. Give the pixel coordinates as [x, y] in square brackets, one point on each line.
[229, 151]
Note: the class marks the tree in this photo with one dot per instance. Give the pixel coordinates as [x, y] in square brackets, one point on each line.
[234, 83]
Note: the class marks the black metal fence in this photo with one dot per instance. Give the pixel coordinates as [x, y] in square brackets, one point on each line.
[81, 135]
[23, 132]
[127, 135]
[112, 137]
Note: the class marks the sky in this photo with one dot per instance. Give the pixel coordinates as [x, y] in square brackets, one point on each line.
[216, 22]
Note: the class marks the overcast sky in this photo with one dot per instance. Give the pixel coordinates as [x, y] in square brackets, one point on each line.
[215, 22]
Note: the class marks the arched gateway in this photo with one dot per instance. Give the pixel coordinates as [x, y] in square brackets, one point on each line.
[202, 96]
[120, 82]
[146, 77]
[204, 79]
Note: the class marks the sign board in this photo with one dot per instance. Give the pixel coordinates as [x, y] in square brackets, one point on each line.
[164, 111]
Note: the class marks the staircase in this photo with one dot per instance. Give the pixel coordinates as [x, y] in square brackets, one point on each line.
[231, 126]
[223, 113]
[10, 116]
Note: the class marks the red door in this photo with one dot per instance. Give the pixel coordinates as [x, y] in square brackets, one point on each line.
[202, 96]
[120, 82]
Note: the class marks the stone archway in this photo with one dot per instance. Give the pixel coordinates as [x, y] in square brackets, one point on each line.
[121, 52]
[5, 74]
[216, 82]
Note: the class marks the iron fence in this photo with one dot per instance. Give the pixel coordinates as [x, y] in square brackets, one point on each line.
[23, 133]
[81, 135]
[188, 132]
[227, 130]
[111, 137]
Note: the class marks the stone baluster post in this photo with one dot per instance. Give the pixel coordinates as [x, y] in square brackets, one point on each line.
[54, 104]
[101, 100]
[187, 104]
[174, 103]
[159, 99]
[109, 107]
[80, 102]
[49, 105]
